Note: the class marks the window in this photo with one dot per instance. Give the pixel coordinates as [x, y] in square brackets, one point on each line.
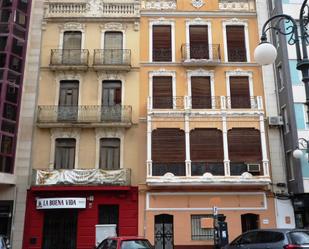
[161, 43]
[280, 78]
[286, 120]
[269, 237]
[65, 153]
[109, 214]
[162, 92]
[113, 42]
[197, 232]
[236, 46]
[240, 92]
[199, 48]
[72, 43]
[109, 153]
[201, 92]
[111, 93]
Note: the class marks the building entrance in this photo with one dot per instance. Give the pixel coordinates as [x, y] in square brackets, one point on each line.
[60, 227]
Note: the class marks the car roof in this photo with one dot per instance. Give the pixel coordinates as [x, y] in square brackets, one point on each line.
[284, 230]
[127, 238]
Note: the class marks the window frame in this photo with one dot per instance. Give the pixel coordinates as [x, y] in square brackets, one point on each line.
[236, 22]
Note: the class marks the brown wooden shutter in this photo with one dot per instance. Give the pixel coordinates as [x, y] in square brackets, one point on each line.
[201, 92]
[244, 145]
[162, 43]
[199, 48]
[168, 145]
[162, 92]
[240, 92]
[206, 145]
[236, 45]
[65, 153]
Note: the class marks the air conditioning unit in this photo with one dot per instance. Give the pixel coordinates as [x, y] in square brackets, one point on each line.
[275, 120]
[253, 167]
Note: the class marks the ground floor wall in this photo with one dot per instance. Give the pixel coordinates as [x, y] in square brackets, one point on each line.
[45, 225]
[187, 210]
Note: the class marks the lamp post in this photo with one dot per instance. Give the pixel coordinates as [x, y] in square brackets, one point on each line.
[265, 53]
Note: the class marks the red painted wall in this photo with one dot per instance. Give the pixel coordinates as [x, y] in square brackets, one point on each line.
[125, 197]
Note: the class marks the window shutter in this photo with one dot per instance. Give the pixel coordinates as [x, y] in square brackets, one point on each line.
[206, 145]
[168, 145]
[72, 40]
[201, 92]
[109, 153]
[162, 43]
[240, 92]
[236, 45]
[162, 92]
[113, 40]
[199, 48]
[244, 145]
[65, 153]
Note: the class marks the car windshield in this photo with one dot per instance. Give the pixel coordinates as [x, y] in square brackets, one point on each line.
[299, 237]
[135, 244]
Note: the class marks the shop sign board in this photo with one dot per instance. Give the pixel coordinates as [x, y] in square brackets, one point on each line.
[55, 203]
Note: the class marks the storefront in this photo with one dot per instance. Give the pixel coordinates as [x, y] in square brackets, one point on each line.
[72, 217]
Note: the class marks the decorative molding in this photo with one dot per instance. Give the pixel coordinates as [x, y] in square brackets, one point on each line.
[197, 3]
[159, 4]
[71, 26]
[113, 26]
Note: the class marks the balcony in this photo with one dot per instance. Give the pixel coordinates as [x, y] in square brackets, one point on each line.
[200, 55]
[69, 59]
[204, 103]
[112, 59]
[237, 5]
[206, 173]
[121, 177]
[84, 116]
[99, 8]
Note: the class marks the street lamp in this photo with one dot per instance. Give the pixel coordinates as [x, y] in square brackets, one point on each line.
[303, 144]
[265, 53]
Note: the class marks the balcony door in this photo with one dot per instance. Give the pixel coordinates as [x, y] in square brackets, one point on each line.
[240, 92]
[199, 47]
[68, 101]
[72, 44]
[113, 47]
[111, 100]
[201, 92]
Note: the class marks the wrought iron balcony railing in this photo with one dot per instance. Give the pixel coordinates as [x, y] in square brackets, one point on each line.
[237, 54]
[112, 57]
[69, 57]
[81, 177]
[201, 53]
[158, 102]
[84, 114]
[162, 55]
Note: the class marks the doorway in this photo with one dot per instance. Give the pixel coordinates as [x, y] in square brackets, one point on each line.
[249, 222]
[164, 231]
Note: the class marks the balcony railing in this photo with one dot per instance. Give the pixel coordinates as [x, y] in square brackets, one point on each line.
[69, 57]
[81, 8]
[237, 55]
[84, 114]
[162, 55]
[81, 177]
[199, 54]
[207, 173]
[237, 5]
[112, 58]
[205, 102]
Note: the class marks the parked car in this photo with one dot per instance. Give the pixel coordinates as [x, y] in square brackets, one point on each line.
[271, 239]
[125, 243]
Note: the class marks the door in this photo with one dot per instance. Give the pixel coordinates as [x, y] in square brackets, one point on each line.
[60, 229]
[72, 44]
[164, 231]
[249, 222]
[199, 48]
[113, 48]
[111, 101]
[68, 101]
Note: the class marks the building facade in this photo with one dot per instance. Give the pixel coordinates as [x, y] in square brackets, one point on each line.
[14, 33]
[291, 95]
[86, 136]
[202, 101]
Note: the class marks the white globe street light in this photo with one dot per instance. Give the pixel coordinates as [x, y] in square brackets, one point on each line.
[298, 154]
[265, 53]
[302, 150]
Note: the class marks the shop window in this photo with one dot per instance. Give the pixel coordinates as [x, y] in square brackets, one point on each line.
[109, 214]
[161, 43]
[240, 93]
[197, 231]
[109, 153]
[162, 92]
[6, 210]
[65, 153]
[236, 46]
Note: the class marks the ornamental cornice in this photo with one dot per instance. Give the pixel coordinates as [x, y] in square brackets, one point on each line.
[159, 4]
